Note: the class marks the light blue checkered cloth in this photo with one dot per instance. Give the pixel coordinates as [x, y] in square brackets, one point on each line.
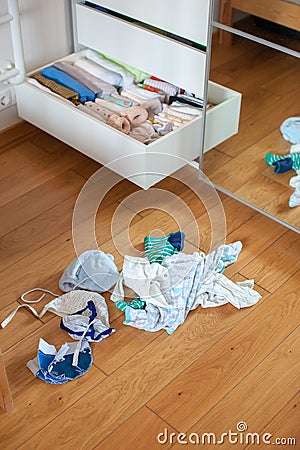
[193, 280]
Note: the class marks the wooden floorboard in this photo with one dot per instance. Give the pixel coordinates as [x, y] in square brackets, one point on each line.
[221, 366]
[285, 425]
[132, 433]
[277, 369]
[44, 197]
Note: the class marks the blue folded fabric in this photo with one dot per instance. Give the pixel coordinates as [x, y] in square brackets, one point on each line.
[177, 240]
[93, 270]
[283, 165]
[290, 130]
[60, 77]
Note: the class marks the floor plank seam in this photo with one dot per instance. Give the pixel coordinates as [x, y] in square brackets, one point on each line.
[207, 350]
[34, 218]
[11, 347]
[262, 251]
[289, 189]
[119, 426]
[161, 418]
[18, 141]
[286, 280]
[257, 285]
[231, 231]
[37, 249]
[160, 333]
[244, 377]
[131, 210]
[64, 411]
[275, 415]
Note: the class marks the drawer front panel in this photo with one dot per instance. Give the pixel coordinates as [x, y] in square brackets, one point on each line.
[77, 129]
[222, 121]
[103, 143]
[164, 58]
[188, 19]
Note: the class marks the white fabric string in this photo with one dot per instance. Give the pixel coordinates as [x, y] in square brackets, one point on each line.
[38, 299]
[88, 277]
[78, 347]
[26, 301]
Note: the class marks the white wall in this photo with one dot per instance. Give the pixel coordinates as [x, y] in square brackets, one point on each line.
[46, 30]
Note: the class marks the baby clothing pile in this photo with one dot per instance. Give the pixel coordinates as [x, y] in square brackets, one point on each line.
[290, 130]
[167, 285]
[84, 316]
[125, 98]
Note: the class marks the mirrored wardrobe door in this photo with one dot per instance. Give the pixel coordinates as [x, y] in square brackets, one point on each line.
[269, 81]
[277, 21]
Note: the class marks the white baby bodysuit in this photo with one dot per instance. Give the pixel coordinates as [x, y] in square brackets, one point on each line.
[142, 277]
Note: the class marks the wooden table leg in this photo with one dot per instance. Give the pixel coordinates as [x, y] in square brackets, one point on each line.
[6, 400]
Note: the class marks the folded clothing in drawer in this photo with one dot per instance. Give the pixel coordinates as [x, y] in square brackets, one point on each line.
[124, 97]
[171, 132]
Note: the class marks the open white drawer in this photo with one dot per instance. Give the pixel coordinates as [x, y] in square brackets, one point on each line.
[105, 144]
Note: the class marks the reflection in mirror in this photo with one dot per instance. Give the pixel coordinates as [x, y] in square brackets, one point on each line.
[270, 85]
[275, 20]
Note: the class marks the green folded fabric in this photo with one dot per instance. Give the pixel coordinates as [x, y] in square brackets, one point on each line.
[139, 74]
[270, 158]
[137, 303]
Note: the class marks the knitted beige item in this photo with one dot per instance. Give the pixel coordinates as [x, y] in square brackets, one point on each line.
[119, 122]
[56, 87]
[136, 115]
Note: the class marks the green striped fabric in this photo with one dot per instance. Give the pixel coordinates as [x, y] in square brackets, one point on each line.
[137, 303]
[156, 249]
[270, 158]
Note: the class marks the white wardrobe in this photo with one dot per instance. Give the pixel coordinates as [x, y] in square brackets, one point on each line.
[169, 39]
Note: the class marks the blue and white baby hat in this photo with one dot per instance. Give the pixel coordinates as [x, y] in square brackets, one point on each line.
[90, 322]
[82, 311]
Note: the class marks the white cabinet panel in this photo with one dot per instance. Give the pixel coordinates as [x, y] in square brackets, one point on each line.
[187, 18]
[177, 63]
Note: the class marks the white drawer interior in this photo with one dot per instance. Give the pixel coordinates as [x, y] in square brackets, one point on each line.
[104, 144]
[178, 63]
[188, 19]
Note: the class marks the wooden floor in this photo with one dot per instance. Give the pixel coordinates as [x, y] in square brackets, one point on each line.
[270, 85]
[221, 367]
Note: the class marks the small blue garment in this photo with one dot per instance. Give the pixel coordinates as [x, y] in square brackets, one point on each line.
[283, 165]
[93, 270]
[57, 367]
[177, 240]
[64, 79]
[290, 130]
